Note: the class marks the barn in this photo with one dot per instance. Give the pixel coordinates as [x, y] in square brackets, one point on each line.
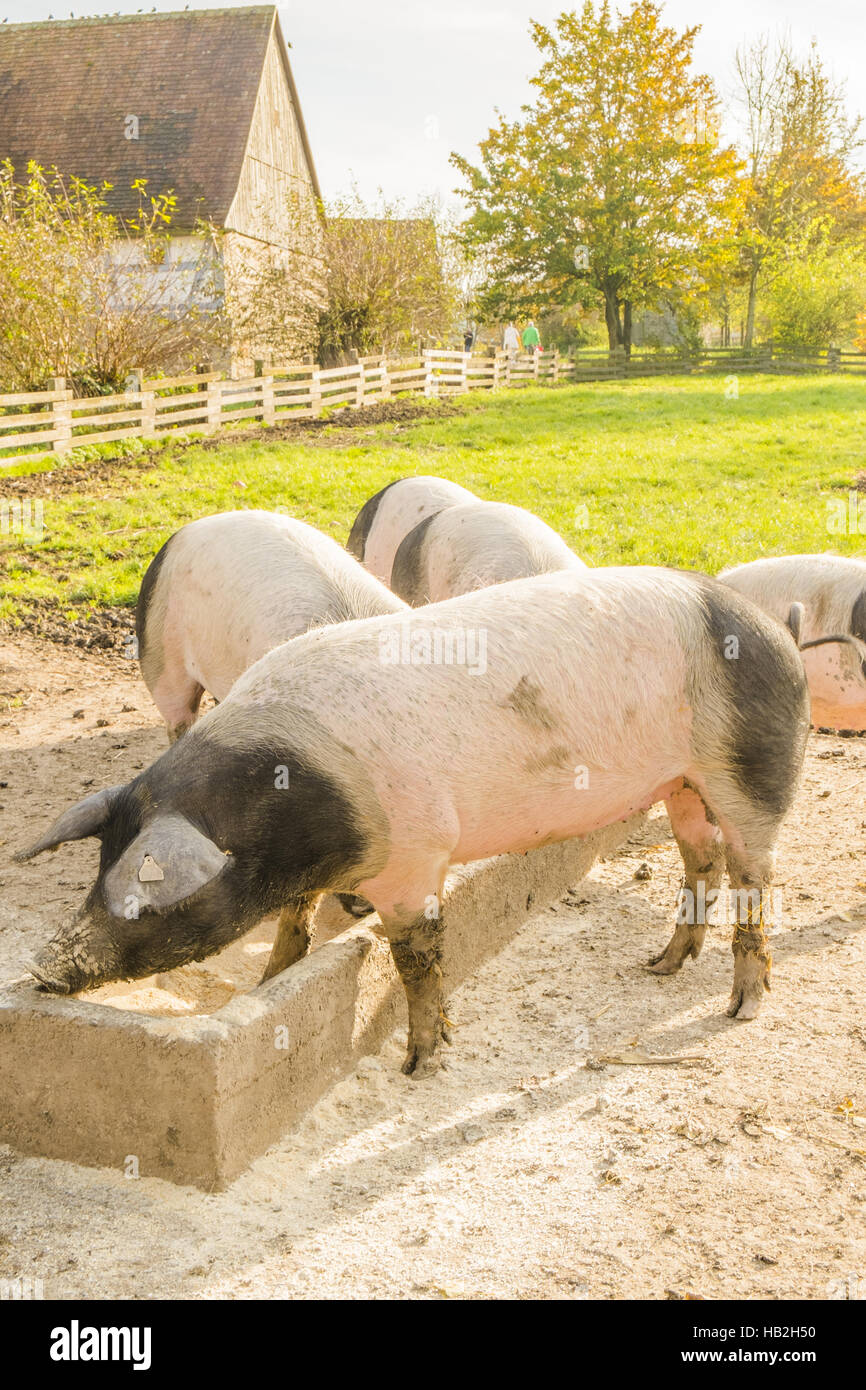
[201, 103]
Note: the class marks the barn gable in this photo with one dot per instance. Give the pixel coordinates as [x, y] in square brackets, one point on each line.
[277, 159]
[201, 102]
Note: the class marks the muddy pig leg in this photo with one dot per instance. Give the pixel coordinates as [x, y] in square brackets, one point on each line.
[294, 934]
[751, 875]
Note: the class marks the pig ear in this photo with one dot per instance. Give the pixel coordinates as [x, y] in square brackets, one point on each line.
[167, 862]
[795, 621]
[87, 817]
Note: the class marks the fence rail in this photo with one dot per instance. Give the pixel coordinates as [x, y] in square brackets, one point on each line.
[35, 425]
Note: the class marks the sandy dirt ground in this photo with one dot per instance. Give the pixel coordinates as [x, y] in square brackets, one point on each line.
[531, 1168]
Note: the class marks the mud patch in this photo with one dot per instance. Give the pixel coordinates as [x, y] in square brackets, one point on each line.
[526, 699]
[109, 630]
[345, 422]
[73, 477]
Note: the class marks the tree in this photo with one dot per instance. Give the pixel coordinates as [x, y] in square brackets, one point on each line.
[86, 296]
[619, 155]
[799, 145]
[815, 290]
[391, 279]
[346, 278]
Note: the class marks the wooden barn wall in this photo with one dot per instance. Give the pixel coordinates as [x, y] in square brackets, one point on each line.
[275, 165]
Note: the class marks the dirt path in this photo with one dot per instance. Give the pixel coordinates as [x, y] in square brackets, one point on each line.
[530, 1169]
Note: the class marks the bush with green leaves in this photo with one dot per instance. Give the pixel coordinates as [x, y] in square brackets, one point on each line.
[814, 294]
[392, 279]
[87, 296]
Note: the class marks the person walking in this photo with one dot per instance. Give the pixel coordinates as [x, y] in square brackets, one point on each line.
[531, 340]
[511, 341]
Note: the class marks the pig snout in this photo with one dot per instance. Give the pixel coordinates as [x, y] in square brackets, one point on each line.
[56, 972]
[75, 959]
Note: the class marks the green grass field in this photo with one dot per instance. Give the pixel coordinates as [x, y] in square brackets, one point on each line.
[664, 471]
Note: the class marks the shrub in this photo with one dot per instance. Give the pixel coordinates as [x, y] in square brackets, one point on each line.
[813, 297]
[87, 296]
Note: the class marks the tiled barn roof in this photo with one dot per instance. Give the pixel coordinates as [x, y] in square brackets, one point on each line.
[68, 90]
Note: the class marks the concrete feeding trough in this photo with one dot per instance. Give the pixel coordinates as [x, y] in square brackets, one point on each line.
[195, 1098]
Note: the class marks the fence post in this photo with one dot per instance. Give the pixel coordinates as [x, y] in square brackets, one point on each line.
[61, 416]
[385, 392]
[834, 359]
[536, 364]
[135, 383]
[214, 404]
[429, 382]
[316, 392]
[464, 373]
[497, 367]
[554, 366]
[362, 382]
[269, 413]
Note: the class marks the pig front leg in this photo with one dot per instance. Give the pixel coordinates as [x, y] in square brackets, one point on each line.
[417, 953]
[703, 853]
[294, 934]
[408, 898]
[749, 830]
[753, 959]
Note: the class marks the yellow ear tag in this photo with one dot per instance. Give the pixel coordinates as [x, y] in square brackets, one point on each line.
[150, 872]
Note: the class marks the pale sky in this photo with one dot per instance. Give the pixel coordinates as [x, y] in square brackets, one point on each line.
[390, 87]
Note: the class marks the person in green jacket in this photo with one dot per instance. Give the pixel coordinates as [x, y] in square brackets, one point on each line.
[531, 340]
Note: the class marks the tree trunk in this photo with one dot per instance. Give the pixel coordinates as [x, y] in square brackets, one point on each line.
[611, 318]
[750, 312]
[626, 327]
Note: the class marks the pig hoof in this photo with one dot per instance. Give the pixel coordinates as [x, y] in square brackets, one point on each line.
[660, 965]
[428, 1066]
[419, 1064]
[743, 1008]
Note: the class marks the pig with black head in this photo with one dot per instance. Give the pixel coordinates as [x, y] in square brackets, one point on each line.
[367, 757]
[225, 828]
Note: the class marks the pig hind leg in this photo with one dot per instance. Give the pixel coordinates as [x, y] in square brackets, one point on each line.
[703, 853]
[177, 696]
[294, 934]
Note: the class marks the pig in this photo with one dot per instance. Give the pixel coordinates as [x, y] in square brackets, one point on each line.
[368, 756]
[225, 589]
[472, 545]
[831, 591]
[392, 513]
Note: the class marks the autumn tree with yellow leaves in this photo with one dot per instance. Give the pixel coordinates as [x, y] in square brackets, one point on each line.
[804, 205]
[612, 189]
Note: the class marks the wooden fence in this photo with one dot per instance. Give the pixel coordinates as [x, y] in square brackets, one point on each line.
[38, 424]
